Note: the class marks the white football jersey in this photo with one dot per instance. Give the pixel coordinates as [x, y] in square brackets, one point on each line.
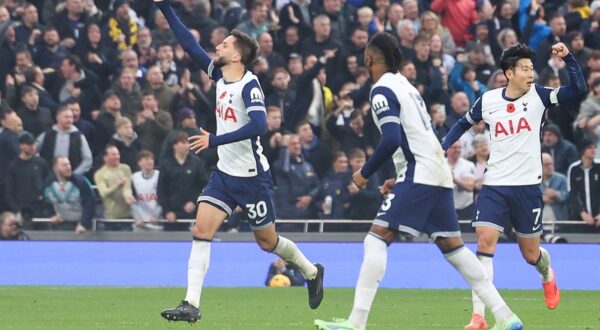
[515, 132]
[420, 158]
[234, 101]
[146, 206]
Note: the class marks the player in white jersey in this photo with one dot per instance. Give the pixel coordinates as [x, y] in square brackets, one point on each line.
[242, 177]
[511, 184]
[420, 199]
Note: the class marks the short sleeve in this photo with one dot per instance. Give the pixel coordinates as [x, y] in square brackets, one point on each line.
[385, 106]
[474, 115]
[253, 96]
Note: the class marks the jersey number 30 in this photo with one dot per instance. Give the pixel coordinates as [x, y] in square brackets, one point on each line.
[258, 209]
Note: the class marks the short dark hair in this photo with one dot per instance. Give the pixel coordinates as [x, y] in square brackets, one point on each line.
[178, 136]
[356, 153]
[30, 73]
[302, 123]
[246, 45]
[355, 114]
[273, 108]
[5, 112]
[337, 155]
[144, 154]
[386, 46]
[26, 90]
[108, 146]
[73, 60]
[147, 92]
[513, 54]
[62, 109]
[421, 37]
[278, 70]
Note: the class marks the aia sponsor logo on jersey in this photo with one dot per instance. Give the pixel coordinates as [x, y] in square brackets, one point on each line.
[225, 112]
[511, 127]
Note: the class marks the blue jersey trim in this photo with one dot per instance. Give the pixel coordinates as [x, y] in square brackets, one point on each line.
[408, 155]
[254, 141]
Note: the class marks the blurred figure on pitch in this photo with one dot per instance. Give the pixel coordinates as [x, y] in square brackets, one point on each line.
[146, 210]
[72, 197]
[10, 229]
[282, 268]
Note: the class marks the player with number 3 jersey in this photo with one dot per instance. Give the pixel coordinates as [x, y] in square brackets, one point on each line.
[511, 184]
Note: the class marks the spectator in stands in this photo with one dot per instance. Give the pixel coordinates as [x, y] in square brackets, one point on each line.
[147, 54]
[72, 197]
[182, 178]
[25, 181]
[8, 47]
[459, 106]
[153, 124]
[558, 28]
[157, 85]
[170, 69]
[352, 136]
[105, 123]
[64, 139]
[36, 119]
[129, 93]
[9, 146]
[129, 59]
[333, 195]
[466, 140]
[314, 151]
[50, 52]
[71, 23]
[121, 29]
[481, 148]
[34, 77]
[576, 44]
[411, 13]
[257, 21]
[584, 185]
[29, 32]
[430, 26]
[113, 181]
[363, 203]
[457, 16]
[464, 79]
[290, 44]
[22, 62]
[563, 152]
[422, 60]
[126, 140]
[228, 13]
[272, 141]
[265, 46]
[96, 56]
[588, 119]
[463, 173]
[555, 192]
[84, 126]
[146, 210]
[497, 80]
[161, 33]
[78, 82]
[395, 14]
[9, 227]
[437, 112]
[297, 183]
[480, 61]
[282, 96]
[406, 35]
[321, 41]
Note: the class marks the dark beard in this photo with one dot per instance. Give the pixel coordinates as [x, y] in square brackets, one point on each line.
[218, 63]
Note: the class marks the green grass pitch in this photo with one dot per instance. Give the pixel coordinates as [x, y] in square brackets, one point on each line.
[273, 308]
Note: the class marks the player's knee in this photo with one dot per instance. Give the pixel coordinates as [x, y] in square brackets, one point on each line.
[486, 244]
[266, 245]
[197, 233]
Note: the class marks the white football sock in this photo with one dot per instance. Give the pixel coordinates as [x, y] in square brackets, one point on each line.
[488, 265]
[473, 272]
[197, 268]
[289, 251]
[371, 273]
[543, 266]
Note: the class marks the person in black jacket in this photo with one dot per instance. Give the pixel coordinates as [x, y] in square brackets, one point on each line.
[272, 140]
[25, 181]
[182, 177]
[363, 203]
[333, 198]
[71, 23]
[36, 119]
[34, 77]
[584, 186]
[126, 140]
[353, 136]
[562, 151]
[9, 146]
[316, 152]
[80, 83]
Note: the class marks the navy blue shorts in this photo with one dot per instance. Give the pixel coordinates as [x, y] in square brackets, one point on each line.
[522, 205]
[253, 194]
[415, 208]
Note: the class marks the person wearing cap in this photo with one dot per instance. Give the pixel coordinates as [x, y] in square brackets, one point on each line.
[25, 181]
[562, 151]
[584, 185]
[109, 113]
[36, 119]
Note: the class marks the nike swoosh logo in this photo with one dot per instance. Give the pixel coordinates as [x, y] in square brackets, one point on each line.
[493, 112]
[261, 220]
[380, 213]
[537, 227]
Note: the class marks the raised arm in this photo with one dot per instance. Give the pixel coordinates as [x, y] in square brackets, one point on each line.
[186, 39]
[576, 86]
[460, 127]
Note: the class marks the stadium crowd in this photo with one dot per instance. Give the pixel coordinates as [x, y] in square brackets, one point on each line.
[99, 93]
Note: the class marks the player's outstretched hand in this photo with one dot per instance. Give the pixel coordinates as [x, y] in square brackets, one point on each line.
[560, 49]
[199, 142]
[387, 186]
[359, 180]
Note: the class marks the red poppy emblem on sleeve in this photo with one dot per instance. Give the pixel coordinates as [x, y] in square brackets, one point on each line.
[510, 108]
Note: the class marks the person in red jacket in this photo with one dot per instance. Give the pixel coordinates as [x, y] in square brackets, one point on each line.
[457, 16]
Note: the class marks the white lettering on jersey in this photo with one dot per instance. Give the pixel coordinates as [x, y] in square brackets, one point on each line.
[380, 104]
